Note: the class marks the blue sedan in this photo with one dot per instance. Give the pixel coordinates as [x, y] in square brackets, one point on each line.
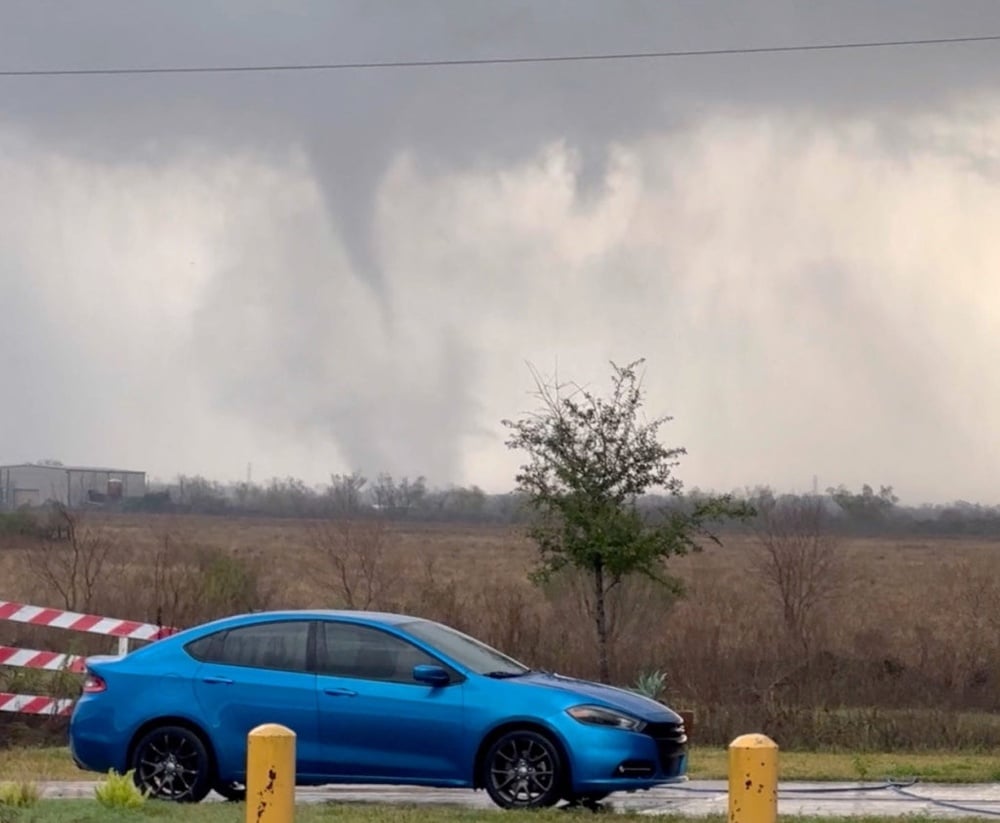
[372, 698]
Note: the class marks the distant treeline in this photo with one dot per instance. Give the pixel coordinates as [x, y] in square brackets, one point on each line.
[868, 512]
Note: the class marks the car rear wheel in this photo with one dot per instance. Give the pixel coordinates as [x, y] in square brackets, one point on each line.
[523, 769]
[172, 763]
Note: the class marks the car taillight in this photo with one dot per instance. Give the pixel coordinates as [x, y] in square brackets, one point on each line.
[92, 684]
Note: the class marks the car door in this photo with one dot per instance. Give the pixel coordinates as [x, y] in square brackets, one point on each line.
[257, 674]
[376, 721]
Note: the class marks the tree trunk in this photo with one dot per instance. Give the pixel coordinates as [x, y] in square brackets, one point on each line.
[601, 624]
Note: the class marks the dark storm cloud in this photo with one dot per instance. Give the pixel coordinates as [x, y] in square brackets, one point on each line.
[384, 405]
[353, 121]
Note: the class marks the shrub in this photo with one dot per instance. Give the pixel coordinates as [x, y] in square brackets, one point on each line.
[21, 522]
[19, 795]
[651, 684]
[118, 791]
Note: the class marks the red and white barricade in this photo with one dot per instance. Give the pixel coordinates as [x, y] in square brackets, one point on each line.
[35, 704]
[124, 630]
[35, 659]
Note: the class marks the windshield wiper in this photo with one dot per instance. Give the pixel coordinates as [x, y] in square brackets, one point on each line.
[501, 675]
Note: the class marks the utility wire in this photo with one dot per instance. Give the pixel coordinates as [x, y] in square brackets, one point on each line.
[496, 61]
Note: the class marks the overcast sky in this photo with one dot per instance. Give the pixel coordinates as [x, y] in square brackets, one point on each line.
[316, 272]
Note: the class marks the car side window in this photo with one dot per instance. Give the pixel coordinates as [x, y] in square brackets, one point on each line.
[350, 650]
[206, 648]
[281, 645]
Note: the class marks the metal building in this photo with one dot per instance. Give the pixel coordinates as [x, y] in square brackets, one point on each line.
[29, 484]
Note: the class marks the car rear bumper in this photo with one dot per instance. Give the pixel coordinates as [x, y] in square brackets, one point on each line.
[95, 744]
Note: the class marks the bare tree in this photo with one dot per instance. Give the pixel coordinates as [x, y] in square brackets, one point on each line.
[351, 555]
[800, 561]
[184, 583]
[170, 590]
[346, 492]
[73, 568]
[386, 493]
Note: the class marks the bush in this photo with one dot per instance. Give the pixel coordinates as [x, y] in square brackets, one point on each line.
[21, 523]
[19, 795]
[651, 684]
[184, 584]
[118, 791]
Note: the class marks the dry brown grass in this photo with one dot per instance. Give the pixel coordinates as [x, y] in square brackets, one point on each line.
[916, 631]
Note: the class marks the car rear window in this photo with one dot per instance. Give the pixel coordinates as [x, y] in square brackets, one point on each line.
[280, 645]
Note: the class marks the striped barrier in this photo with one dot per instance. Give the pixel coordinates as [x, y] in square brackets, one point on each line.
[35, 704]
[124, 630]
[76, 622]
[35, 659]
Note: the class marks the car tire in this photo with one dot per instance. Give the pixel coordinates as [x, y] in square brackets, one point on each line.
[233, 792]
[523, 769]
[172, 763]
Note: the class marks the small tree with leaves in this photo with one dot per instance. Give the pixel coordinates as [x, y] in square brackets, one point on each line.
[590, 459]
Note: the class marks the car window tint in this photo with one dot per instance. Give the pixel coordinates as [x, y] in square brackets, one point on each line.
[349, 650]
[264, 646]
[464, 650]
[208, 647]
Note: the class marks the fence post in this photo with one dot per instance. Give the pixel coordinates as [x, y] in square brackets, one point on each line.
[270, 774]
[122, 646]
[753, 779]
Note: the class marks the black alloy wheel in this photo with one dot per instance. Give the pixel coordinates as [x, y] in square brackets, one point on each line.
[172, 763]
[523, 770]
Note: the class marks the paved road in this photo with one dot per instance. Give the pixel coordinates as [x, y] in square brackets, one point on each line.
[695, 798]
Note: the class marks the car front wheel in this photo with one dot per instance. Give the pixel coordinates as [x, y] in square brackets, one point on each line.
[523, 769]
[172, 763]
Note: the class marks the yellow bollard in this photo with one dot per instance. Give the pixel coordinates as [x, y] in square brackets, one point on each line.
[753, 779]
[270, 774]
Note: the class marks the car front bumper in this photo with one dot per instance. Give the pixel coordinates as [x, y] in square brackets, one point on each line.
[610, 760]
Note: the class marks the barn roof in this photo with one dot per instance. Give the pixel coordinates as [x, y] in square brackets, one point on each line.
[101, 469]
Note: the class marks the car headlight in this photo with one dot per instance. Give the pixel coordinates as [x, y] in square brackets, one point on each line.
[601, 716]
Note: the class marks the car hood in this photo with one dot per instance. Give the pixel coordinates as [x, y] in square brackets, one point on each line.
[622, 699]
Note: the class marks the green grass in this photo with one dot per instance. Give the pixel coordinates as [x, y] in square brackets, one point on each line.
[706, 762]
[930, 767]
[83, 811]
[942, 767]
[40, 764]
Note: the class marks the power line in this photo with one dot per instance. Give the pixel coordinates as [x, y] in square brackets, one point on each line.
[495, 61]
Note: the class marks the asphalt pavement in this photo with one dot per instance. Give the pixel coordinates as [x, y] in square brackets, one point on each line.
[695, 798]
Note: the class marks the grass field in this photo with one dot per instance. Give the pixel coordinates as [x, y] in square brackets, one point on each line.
[706, 763]
[903, 655]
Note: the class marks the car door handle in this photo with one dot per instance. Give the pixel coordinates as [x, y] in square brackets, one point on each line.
[225, 681]
[340, 692]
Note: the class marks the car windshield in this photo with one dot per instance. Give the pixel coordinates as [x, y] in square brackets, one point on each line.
[465, 650]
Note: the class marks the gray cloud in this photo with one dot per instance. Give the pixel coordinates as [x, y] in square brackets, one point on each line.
[349, 269]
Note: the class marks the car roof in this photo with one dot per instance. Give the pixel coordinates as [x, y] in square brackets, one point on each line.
[357, 614]
[384, 618]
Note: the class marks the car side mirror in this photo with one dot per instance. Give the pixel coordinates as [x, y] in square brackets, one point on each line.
[431, 675]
